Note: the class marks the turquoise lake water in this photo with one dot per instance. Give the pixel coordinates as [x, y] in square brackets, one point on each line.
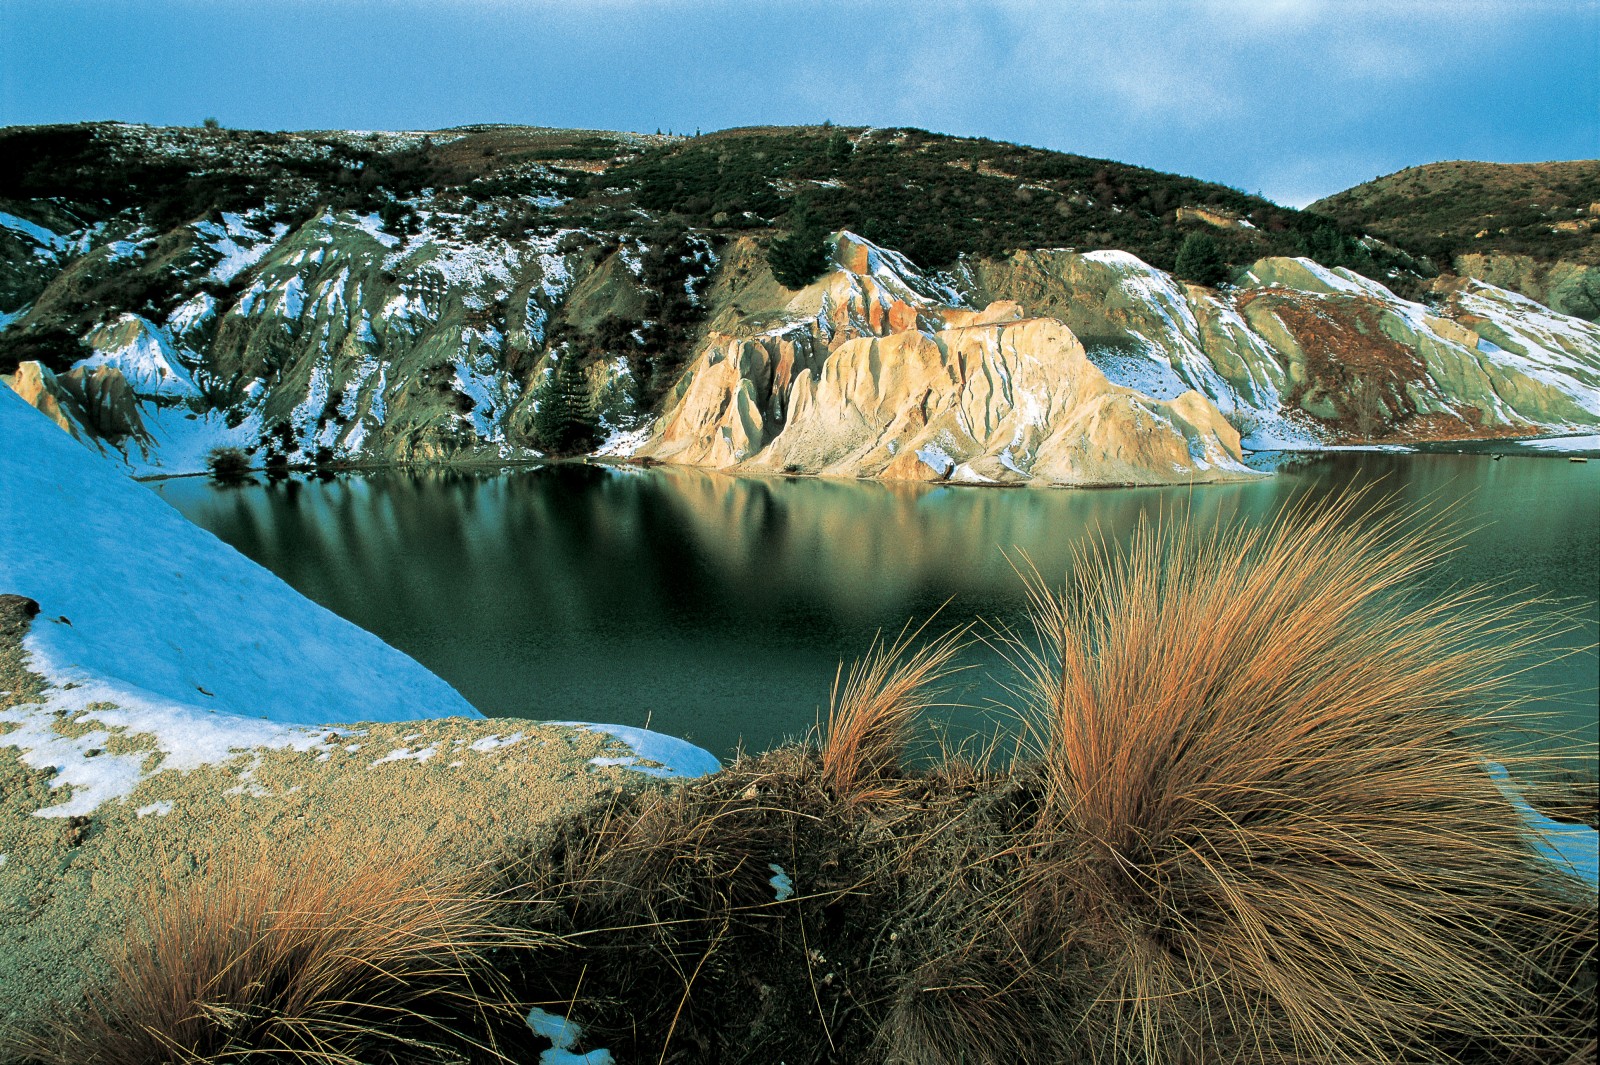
[718, 608]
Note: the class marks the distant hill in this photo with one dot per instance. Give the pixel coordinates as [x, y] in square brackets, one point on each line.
[1531, 227]
[933, 196]
[1547, 211]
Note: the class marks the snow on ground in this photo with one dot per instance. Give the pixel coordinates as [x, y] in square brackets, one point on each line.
[622, 443]
[45, 238]
[781, 883]
[373, 226]
[1574, 849]
[191, 314]
[238, 244]
[1547, 339]
[143, 352]
[899, 276]
[1590, 442]
[181, 439]
[151, 627]
[563, 1035]
[671, 757]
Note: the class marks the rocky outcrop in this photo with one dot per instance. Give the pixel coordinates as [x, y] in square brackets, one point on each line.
[1485, 360]
[425, 332]
[881, 373]
[96, 404]
[1300, 355]
[1219, 219]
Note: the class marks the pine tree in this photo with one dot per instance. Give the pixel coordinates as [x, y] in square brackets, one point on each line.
[839, 149]
[801, 257]
[1200, 260]
[564, 420]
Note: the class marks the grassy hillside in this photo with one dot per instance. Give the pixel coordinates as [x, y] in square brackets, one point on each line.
[1544, 210]
[933, 196]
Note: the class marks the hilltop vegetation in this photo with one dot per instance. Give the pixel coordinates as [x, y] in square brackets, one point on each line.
[933, 196]
[1542, 210]
[936, 198]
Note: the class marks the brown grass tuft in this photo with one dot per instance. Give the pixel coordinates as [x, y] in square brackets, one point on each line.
[1265, 794]
[871, 715]
[311, 960]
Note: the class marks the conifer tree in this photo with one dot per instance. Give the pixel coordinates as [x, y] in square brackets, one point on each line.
[564, 420]
[1200, 260]
[801, 257]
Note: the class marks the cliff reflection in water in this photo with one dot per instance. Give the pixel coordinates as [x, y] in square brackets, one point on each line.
[718, 607]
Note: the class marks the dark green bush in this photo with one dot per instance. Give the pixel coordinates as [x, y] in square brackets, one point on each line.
[228, 465]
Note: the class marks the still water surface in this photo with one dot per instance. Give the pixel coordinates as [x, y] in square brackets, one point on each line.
[717, 608]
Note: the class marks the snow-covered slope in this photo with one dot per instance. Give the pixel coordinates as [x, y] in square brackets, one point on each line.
[140, 606]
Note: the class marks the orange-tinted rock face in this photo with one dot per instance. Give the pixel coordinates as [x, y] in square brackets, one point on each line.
[38, 386]
[93, 404]
[898, 386]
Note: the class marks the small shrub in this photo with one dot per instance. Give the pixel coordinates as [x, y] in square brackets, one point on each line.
[1200, 260]
[228, 465]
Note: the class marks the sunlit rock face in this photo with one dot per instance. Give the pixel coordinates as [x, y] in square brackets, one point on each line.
[878, 372]
[1301, 355]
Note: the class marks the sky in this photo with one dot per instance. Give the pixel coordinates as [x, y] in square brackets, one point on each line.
[1294, 99]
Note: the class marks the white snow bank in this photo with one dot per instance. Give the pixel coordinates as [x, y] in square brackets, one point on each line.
[181, 439]
[143, 353]
[182, 737]
[36, 233]
[153, 611]
[238, 245]
[671, 756]
[781, 883]
[1589, 442]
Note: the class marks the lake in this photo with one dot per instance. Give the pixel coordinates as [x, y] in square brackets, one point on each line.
[718, 608]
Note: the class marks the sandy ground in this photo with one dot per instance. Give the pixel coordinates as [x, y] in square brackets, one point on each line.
[70, 887]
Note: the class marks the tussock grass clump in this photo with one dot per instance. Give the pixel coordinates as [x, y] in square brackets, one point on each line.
[1265, 798]
[313, 961]
[872, 713]
[1251, 822]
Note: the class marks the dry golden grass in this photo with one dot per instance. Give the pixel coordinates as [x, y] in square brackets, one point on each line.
[872, 712]
[311, 960]
[1266, 802]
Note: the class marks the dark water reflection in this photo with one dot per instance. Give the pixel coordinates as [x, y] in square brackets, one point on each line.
[717, 608]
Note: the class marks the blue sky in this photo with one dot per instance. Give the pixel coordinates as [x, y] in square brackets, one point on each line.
[1293, 98]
